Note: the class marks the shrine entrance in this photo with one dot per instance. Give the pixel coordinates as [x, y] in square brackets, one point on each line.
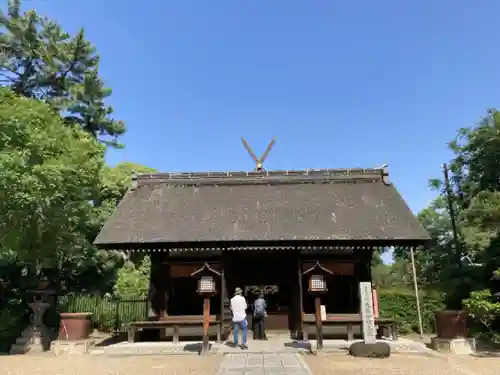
[274, 274]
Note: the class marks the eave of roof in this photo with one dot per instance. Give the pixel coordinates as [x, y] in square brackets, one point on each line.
[170, 209]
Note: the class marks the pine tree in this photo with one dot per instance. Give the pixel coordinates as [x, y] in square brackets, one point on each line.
[40, 60]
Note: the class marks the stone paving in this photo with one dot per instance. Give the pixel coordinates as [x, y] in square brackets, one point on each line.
[274, 345]
[263, 364]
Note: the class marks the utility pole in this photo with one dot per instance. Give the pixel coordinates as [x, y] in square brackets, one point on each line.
[451, 212]
[417, 297]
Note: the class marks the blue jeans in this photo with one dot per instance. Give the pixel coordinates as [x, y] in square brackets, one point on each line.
[244, 331]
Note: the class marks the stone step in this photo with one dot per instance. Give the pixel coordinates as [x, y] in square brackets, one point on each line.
[23, 349]
[72, 348]
[23, 340]
[271, 346]
[19, 349]
[164, 348]
[135, 349]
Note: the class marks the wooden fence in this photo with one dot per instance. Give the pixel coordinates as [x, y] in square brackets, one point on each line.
[108, 314]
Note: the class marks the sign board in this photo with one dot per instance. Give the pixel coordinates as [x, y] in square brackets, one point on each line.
[261, 289]
[322, 312]
[366, 299]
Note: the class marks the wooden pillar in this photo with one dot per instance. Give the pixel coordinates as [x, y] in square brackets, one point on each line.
[370, 264]
[223, 294]
[319, 322]
[226, 323]
[164, 280]
[300, 330]
[167, 286]
[156, 284]
[368, 270]
[165, 290]
[206, 324]
[365, 265]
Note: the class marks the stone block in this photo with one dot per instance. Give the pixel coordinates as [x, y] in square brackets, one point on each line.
[454, 346]
[71, 348]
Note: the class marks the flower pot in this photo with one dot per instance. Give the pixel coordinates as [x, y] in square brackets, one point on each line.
[451, 324]
[74, 326]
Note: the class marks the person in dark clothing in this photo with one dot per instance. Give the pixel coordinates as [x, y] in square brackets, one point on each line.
[259, 315]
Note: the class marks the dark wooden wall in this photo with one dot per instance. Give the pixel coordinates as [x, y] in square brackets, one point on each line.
[173, 283]
[160, 281]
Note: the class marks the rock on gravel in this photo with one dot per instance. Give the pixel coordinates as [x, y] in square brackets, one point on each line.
[101, 365]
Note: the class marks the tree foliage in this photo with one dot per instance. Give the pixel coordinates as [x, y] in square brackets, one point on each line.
[55, 193]
[485, 310]
[133, 281]
[475, 195]
[49, 174]
[397, 276]
[55, 189]
[114, 183]
[401, 306]
[40, 60]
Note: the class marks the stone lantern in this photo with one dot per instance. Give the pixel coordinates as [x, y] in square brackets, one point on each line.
[36, 337]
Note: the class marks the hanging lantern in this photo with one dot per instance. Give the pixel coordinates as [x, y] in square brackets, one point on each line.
[317, 284]
[206, 285]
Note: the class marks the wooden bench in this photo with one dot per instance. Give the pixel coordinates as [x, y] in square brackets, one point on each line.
[349, 320]
[175, 322]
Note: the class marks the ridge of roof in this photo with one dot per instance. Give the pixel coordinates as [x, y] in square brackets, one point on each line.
[264, 177]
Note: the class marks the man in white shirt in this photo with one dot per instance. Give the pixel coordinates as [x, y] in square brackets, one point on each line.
[238, 308]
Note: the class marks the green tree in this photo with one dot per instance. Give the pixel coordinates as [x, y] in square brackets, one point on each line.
[133, 281]
[434, 265]
[114, 183]
[55, 193]
[95, 270]
[475, 194]
[476, 191]
[49, 174]
[40, 60]
[393, 276]
[484, 309]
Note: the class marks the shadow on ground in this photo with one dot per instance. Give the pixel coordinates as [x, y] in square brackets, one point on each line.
[194, 347]
[298, 345]
[112, 340]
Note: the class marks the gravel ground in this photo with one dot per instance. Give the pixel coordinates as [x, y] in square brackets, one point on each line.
[399, 364]
[323, 364]
[487, 365]
[97, 365]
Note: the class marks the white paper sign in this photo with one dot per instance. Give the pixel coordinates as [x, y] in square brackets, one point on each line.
[366, 299]
[322, 312]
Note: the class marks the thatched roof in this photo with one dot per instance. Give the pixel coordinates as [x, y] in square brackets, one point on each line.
[329, 205]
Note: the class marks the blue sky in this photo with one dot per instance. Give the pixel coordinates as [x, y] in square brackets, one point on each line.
[352, 83]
